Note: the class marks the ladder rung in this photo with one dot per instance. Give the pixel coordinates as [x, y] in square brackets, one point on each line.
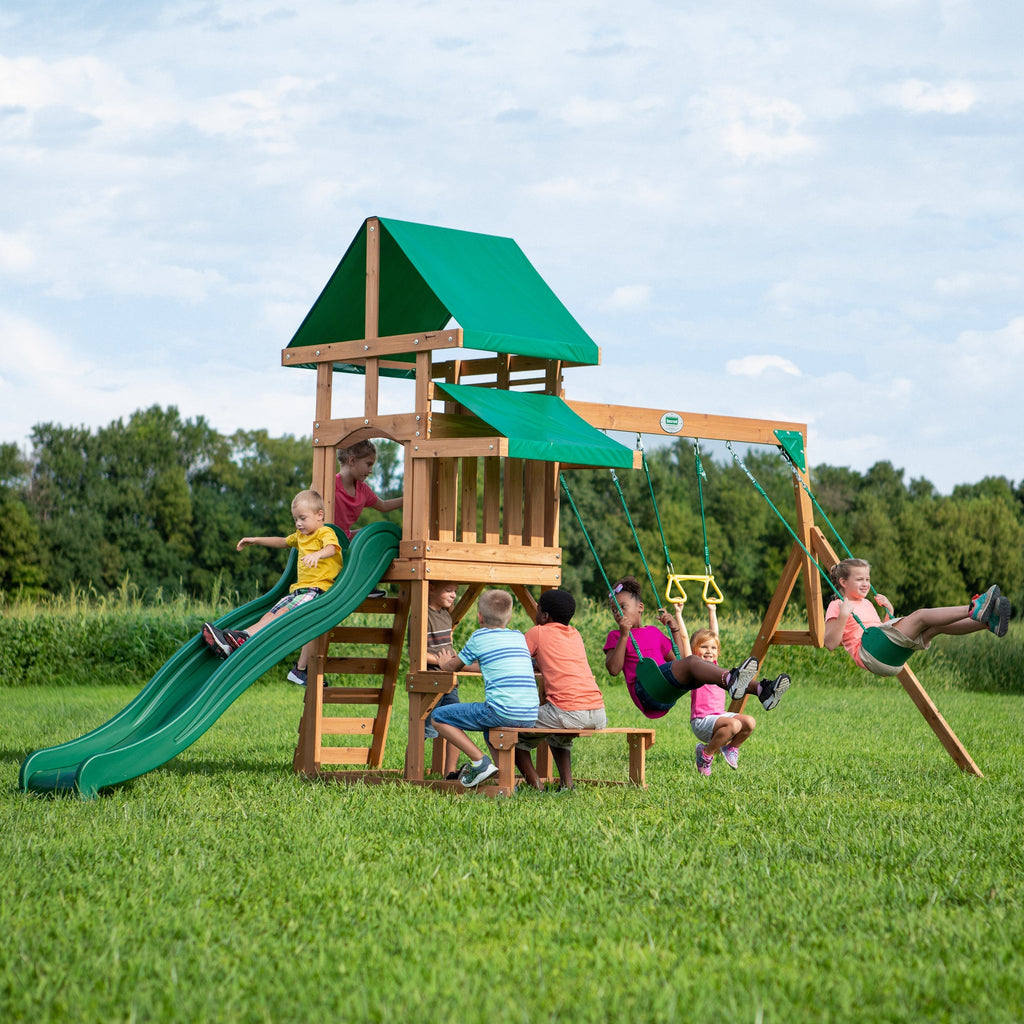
[352, 695]
[343, 726]
[360, 635]
[356, 666]
[344, 755]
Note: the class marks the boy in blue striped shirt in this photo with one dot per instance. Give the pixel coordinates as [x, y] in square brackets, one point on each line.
[510, 686]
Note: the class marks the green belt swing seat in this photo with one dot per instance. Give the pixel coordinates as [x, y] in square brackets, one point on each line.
[887, 653]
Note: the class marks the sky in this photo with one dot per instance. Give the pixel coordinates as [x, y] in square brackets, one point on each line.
[809, 212]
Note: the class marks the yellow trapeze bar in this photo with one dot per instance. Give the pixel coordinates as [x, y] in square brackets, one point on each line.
[709, 595]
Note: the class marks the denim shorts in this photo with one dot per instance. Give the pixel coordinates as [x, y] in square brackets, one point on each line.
[451, 697]
[479, 718]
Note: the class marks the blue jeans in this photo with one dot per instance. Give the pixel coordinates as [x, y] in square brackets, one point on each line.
[480, 718]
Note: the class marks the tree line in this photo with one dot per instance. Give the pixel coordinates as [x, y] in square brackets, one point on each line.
[162, 501]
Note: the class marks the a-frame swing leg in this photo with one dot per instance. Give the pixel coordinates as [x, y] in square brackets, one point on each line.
[940, 726]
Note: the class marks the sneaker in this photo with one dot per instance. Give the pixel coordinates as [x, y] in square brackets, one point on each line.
[452, 777]
[218, 641]
[999, 620]
[983, 605]
[472, 775]
[704, 762]
[376, 593]
[298, 675]
[732, 757]
[738, 679]
[235, 637]
[770, 691]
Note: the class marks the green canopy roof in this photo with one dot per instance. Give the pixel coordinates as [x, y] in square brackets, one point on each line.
[540, 427]
[430, 275]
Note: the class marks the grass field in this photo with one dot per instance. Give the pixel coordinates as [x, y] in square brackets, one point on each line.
[847, 872]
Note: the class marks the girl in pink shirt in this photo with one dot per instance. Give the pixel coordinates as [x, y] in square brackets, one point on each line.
[351, 494]
[718, 730]
[846, 618]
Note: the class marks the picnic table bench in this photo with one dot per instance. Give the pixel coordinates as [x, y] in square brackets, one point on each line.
[504, 740]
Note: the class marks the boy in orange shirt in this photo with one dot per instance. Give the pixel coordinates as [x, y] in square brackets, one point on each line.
[570, 698]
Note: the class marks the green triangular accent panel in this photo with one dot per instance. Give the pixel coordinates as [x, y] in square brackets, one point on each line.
[793, 443]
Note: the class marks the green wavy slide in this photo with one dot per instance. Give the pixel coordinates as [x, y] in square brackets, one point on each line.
[194, 688]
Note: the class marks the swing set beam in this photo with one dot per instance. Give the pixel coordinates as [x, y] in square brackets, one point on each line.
[631, 420]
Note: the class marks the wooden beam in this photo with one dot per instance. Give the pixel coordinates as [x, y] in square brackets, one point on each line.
[371, 318]
[713, 428]
[507, 572]
[492, 500]
[456, 448]
[456, 551]
[512, 503]
[402, 428]
[468, 507]
[939, 725]
[349, 351]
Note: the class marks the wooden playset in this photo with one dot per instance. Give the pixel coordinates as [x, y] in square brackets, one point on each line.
[486, 429]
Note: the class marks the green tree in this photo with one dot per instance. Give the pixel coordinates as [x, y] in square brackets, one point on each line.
[23, 557]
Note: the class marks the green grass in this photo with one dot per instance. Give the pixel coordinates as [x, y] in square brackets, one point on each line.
[847, 872]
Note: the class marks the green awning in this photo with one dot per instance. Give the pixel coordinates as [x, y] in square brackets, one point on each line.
[430, 275]
[540, 427]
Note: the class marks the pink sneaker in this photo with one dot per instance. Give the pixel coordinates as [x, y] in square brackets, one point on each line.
[704, 762]
[732, 757]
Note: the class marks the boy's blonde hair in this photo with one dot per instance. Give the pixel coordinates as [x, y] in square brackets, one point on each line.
[309, 499]
[702, 636]
[495, 608]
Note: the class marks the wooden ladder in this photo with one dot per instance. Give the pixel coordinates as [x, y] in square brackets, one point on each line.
[312, 755]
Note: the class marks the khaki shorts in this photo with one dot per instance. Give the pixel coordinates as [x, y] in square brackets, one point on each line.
[890, 631]
[553, 717]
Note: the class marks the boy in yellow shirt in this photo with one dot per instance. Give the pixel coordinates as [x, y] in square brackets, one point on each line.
[319, 565]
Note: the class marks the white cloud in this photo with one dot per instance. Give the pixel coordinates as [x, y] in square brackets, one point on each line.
[920, 97]
[16, 253]
[752, 127]
[986, 365]
[584, 112]
[969, 283]
[629, 297]
[755, 366]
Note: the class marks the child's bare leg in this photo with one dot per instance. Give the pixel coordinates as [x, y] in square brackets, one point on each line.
[265, 620]
[930, 622]
[747, 726]
[458, 739]
[451, 758]
[563, 762]
[524, 762]
[307, 652]
[694, 671]
[722, 735]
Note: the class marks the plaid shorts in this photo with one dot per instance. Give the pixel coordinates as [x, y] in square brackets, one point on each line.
[295, 598]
